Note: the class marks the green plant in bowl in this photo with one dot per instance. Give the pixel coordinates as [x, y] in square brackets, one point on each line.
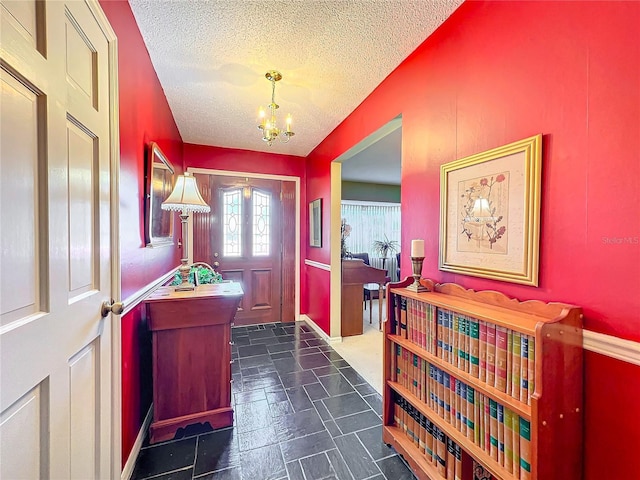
[205, 276]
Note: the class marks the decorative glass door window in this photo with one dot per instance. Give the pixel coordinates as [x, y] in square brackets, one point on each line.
[232, 223]
[257, 229]
[261, 223]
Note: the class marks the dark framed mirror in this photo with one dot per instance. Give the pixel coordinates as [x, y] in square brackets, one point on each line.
[159, 181]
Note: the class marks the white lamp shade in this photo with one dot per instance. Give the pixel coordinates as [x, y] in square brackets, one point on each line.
[185, 196]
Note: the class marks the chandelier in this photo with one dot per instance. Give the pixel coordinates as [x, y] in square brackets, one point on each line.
[268, 122]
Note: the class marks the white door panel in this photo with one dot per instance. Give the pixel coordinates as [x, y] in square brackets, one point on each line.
[55, 233]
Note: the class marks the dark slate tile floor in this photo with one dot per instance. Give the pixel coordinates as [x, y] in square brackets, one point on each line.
[301, 413]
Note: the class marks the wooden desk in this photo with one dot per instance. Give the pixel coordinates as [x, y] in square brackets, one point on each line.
[191, 356]
[354, 275]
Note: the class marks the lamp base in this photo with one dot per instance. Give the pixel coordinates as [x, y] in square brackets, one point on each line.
[184, 270]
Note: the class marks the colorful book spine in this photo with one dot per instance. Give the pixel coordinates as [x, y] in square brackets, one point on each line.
[429, 452]
[397, 416]
[434, 329]
[463, 408]
[515, 424]
[501, 434]
[440, 378]
[483, 351]
[415, 374]
[508, 384]
[501, 358]
[491, 354]
[516, 365]
[462, 325]
[532, 369]
[524, 368]
[477, 415]
[440, 332]
[467, 343]
[403, 317]
[487, 425]
[470, 413]
[455, 339]
[433, 395]
[508, 440]
[423, 324]
[423, 434]
[441, 452]
[446, 385]
[458, 459]
[424, 377]
[446, 315]
[525, 449]
[451, 459]
[453, 400]
[493, 429]
[417, 426]
[458, 406]
[474, 353]
[406, 361]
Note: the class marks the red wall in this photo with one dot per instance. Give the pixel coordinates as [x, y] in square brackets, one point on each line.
[497, 72]
[144, 116]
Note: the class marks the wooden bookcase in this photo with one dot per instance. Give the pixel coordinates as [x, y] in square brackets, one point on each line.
[418, 364]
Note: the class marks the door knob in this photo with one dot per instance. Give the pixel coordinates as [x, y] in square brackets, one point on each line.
[110, 306]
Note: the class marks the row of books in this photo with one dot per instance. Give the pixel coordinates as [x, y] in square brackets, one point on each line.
[503, 434]
[502, 358]
[444, 454]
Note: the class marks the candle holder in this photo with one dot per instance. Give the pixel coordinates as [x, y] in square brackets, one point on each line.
[416, 266]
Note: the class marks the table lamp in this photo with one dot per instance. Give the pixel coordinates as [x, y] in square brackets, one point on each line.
[185, 198]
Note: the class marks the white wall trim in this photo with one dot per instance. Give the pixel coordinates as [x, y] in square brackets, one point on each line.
[619, 348]
[321, 266]
[290, 178]
[134, 299]
[127, 471]
[318, 330]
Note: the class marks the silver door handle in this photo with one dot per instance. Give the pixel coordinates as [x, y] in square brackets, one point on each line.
[110, 306]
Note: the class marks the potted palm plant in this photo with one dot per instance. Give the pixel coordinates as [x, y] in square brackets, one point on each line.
[384, 247]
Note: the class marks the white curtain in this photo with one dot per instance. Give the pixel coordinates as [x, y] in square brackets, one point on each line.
[369, 222]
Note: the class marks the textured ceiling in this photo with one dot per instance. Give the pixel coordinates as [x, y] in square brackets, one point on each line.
[211, 58]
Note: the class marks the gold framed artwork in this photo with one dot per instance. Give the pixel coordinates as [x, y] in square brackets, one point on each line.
[315, 223]
[490, 213]
[158, 186]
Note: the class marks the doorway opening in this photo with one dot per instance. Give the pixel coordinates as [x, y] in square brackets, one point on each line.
[365, 185]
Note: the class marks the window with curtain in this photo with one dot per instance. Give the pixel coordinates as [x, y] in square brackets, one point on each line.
[371, 221]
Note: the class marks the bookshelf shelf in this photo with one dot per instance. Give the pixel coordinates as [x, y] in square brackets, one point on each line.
[421, 467]
[513, 369]
[520, 408]
[493, 467]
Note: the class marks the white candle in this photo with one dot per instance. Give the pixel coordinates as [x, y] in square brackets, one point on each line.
[417, 248]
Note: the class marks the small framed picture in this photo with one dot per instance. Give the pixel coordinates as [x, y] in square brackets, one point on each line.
[315, 223]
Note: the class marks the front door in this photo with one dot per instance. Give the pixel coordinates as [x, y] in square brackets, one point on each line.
[55, 234]
[243, 233]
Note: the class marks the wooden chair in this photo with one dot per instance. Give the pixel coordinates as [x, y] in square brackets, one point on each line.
[371, 290]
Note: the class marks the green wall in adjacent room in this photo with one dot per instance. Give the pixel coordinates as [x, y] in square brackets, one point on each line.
[370, 192]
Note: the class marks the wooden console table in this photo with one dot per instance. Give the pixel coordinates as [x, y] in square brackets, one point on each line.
[191, 356]
[354, 275]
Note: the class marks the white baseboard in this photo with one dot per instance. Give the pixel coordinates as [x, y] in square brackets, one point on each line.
[127, 470]
[318, 330]
[625, 350]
